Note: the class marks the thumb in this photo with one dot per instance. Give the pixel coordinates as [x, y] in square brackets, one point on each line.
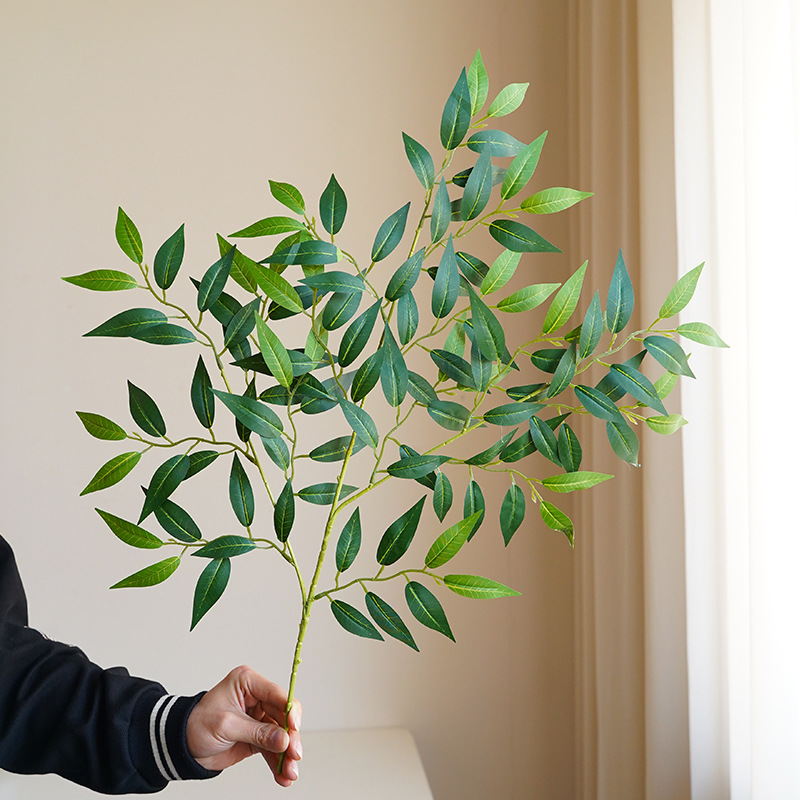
[261, 735]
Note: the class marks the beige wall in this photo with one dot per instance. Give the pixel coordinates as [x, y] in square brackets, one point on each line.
[180, 112]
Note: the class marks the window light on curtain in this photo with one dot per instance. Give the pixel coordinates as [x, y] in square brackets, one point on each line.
[737, 132]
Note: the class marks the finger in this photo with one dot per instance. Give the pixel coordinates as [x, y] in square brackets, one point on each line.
[258, 689]
[263, 736]
[288, 775]
[295, 748]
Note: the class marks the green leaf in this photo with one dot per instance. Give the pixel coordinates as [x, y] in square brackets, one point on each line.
[565, 302]
[442, 495]
[591, 329]
[701, 333]
[489, 334]
[407, 318]
[309, 252]
[349, 542]
[665, 384]
[240, 269]
[199, 460]
[478, 188]
[241, 493]
[253, 414]
[477, 83]
[461, 178]
[669, 354]
[353, 621]
[227, 546]
[456, 342]
[335, 449]
[129, 533]
[456, 115]
[522, 168]
[394, 373]
[476, 587]
[498, 144]
[637, 386]
[242, 431]
[323, 494]
[361, 423]
[128, 237]
[332, 207]
[242, 323]
[518, 449]
[619, 306]
[511, 413]
[544, 439]
[288, 195]
[367, 376]
[490, 453]
[420, 160]
[274, 286]
[452, 416]
[666, 425]
[210, 586]
[335, 281]
[100, 427]
[681, 293]
[446, 283]
[526, 392]
[427, 609]
[452, 540]
[557, 520]
[389, 620]
[548, 359]
[509, 99]
[441, 214]
[520, 238]
[501, 271]
[474, 504]
[201, 394]
[570, 452]
[129, 323]
[145, 412]
[551, 201]
[390, 233]
[453, 367]
[481, 367]
[164, 482]
[624, 441]
[165, 334]
[416, 466]
[357, 335]
[283, 516]
[422, 392]
[574, 481]
[214, 280]
[398, 536]
[512, 512]
[103, 280]
[278, 452]
[610, 384]
[177, 522]
[275, 356]
[527, 298]
[340, 309]
[168, 260]
[405, 276]
[565, 372]
[597, 403]
[150, 576]
[269, 227]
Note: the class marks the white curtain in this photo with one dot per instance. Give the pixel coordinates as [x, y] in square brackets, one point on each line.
[737, 132]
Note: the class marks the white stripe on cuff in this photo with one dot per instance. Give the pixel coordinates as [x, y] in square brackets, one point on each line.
[153, 740]
[163, 739]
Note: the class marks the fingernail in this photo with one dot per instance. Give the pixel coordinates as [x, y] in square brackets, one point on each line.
[299, 750]
[279, 739]
[292, 771]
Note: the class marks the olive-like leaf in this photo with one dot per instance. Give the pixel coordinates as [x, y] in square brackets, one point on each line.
[498, 144]
[681, 293]
[597, 403]
[103, 280]
[398, 536]
[214, 280]
[624, 441]
[405, 276]
[522, 168]
[565, 302]
[340, 309]
[637, 386]
[416, 466]
[177, 522]
[145, 412]
[335, 449]
[349, 541]
[570, 452]
[666, 425]
[477, 83]
[228, 546]
[478, 188]
[164, 482]
[451, 541]
[201, 394]
[544, 439]
[101, 427]
[199, 460]
[442, 495]
[669, 354]
[574, 481]
[128, 532]
[361, 423]
[274, 353]
[511, 413]
[619, 306]
[390, 233]
[168, 260]
[565, 372]
[520, 238]
[477, 587]
[150, 576]
[129, 323]
[501, 271]
[288, 195]
[557, 520]
[283, 516]
[454, 367]
[367, 376]
[450, 415]
[512, 512]
[551, 201]
[242, 323]
[394, 373]
[253, 414]
[441, 213]
[427, 609]
[456, 115]
[128, 237]
[353, 621]
[446, 283]
[527, 298]
[419, 388]
[270, 226]
[389, 620]
[210, 586]
[474, 503]
[701, 333]
[332, 207]
[240, 492]
[407, 318]
[509, 99]
[420, 160]
[357, 335]
[324, 494]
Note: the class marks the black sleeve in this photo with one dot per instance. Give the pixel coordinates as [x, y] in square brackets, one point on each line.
[61, 713]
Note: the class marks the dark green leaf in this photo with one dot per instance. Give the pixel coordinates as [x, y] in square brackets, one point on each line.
[128, 237]
[164, 482]
[518, 449]
[394, 373]
[168, 260]
[557, 520]
[357, 335]
[349, 542]
[478, 83]
[324, 494]
[274, 286]
[202, 397]
[389, 620]
[624, 441]
[214, 281]
[481, 368]
[129, 323]
[103, 280]
[420, 160]
[489, 334]
[478, 188]
[269, 227]
[548, 359]
[544, 439]
[367, 376]
[361, 423]
[145, 412]
[454, 367]
[177, 522]
[335, 449]
[332, 207]
[242, 431]
[522, 168]
[452, 416]
[512, 512]
[199, 460]
[442, 495]
[416, 466]
[520, 238]
[241, 494]
[253, 414]
[591, 329]
[456, 114]
[422, 392]
[353, 621]
[398, 536]
[597, 403]
[509, 99]
[284, 512]
[340, 309]
[456, 341]
[405, 276]
[129, 533]
[474, 504]
[227, 546]
[100, 427]
[620, 302]
[570, 452]
[702, 333]
[210, 586]
[472, 268]
[407, 318]
[511, 413]
[565, 302]
[310, 252]
[681, 293]
[476, 587]
[498, 144]
[165, 334]
[242, 323]
[241, 267]
[288, 195]
[574, 481]
[152, 575]
[441, 213]
[461, 178]
[451, 541]
[335, 281]
[565, 372]
[390, 233]
[278, 452]
[637, 386]
[610, 385]
[427, 609]
[446, 283]
[526, 392]
[551, 201]
[275, 355]
[669, 354]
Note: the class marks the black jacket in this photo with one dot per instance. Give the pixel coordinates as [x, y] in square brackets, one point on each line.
[61, 713]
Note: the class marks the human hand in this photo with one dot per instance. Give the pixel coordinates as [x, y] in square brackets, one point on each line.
[242, 715]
